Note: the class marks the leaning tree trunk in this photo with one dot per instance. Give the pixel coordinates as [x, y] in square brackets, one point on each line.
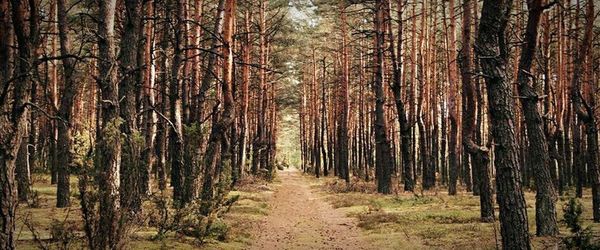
[492, 51]
[545, 199]
[479, 153]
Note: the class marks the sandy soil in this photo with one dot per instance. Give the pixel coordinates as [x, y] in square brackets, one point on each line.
[300, 218]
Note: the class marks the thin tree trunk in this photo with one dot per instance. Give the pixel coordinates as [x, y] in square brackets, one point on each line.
[316, 148]
[163, 128]
[341, 152]
[243, 117]
[324, 113]
[148, 155]
[453, 103]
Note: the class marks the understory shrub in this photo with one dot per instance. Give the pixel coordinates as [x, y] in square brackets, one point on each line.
[580, 238]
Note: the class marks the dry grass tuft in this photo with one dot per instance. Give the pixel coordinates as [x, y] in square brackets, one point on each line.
[335, 185]
[253, 184]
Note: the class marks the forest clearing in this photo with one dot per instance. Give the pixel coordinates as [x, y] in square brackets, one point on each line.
[299, 124]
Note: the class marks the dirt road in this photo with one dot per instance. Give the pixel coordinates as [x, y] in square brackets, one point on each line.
[300, 218]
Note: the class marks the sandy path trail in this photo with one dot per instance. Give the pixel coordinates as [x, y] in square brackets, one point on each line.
[300, 218]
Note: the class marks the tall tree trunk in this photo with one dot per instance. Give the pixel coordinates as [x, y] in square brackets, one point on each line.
[208, 78]
[396, 86]
[217, 160]
[197, 33]
[384, 163]
[341, 151]
[148, 155]
[545, 218]
[71, 90]
[453, 103]
[243, 116]
[316, 149]
[479, 153]
[13, 120]
[585, 108]
[132, 77]
[324, 113]
[163, 127]
[492, 51]
[259, 145]
[176, 142]
[108, 143]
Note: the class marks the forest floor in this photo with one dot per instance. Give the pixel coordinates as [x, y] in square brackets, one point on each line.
[298, 211]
